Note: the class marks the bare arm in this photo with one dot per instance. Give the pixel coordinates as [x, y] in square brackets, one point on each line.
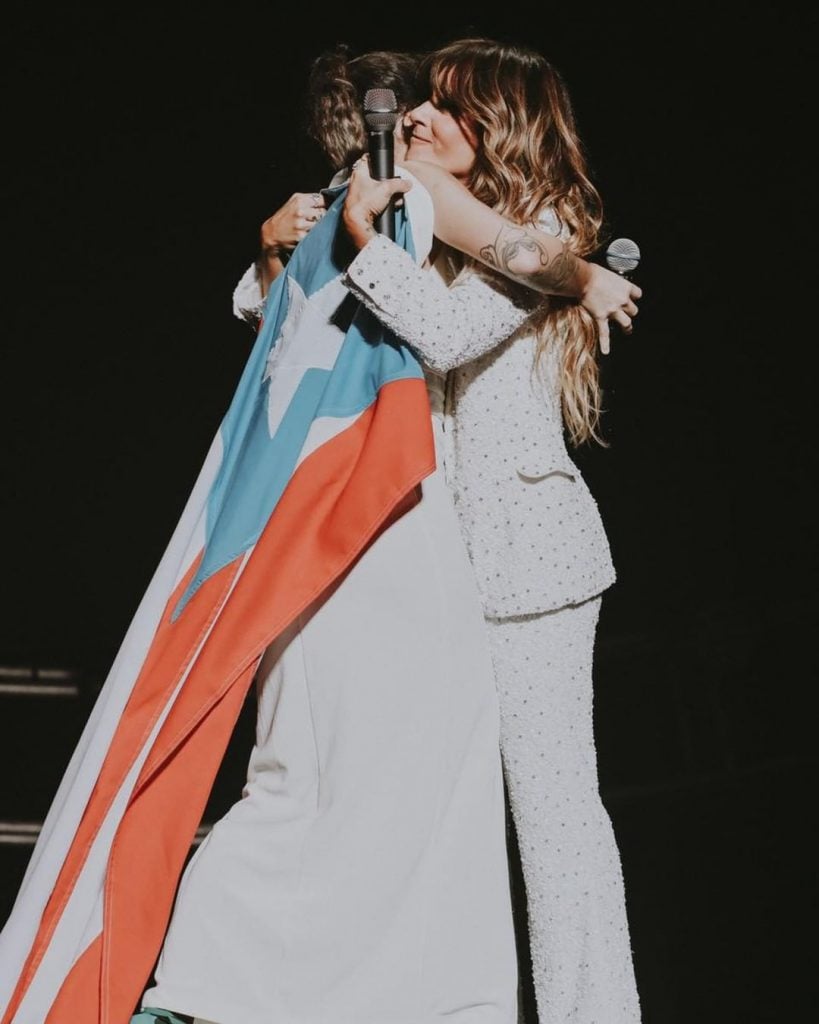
[527, 255]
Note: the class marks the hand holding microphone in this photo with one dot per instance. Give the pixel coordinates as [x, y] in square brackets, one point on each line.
[369, 203]
[609, 295]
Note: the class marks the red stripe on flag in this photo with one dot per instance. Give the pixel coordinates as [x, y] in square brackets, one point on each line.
[79, 990]
[168, 656]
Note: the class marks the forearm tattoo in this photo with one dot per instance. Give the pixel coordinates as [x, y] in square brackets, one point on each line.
[550, 274]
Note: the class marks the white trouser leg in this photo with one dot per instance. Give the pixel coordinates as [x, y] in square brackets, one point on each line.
[579, 935]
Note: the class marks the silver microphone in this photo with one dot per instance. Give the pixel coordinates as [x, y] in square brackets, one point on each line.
[622, 255]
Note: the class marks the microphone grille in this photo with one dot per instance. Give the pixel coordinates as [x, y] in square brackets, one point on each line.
[380, 109]
[622, 255]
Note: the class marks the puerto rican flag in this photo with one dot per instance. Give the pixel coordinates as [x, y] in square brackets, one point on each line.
[324, 443]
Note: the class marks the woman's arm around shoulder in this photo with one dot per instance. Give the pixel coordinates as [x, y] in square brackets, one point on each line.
[534, 258]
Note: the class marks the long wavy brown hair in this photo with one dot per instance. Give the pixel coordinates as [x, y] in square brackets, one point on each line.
[530, 157]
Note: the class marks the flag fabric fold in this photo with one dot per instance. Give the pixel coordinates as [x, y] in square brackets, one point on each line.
[324, 442]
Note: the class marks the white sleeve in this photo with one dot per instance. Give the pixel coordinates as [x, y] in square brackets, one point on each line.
[447, 326]
[248, 303]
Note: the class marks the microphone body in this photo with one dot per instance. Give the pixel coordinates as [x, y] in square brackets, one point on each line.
[380, 116]
[382, 155]
[382, 165]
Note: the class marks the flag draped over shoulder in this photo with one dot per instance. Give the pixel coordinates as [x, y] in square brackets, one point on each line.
[326, 437]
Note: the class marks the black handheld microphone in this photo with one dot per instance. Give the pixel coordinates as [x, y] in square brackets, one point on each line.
[623, 256]
[380, 116]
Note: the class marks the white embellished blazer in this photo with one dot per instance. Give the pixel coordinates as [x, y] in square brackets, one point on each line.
[531, 526]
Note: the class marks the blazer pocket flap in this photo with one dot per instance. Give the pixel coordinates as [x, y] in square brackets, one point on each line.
[533, 466]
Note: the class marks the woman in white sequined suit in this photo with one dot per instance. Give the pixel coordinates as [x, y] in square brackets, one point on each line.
[532, 528]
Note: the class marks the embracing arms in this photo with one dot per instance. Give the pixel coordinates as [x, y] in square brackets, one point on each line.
[537, 259]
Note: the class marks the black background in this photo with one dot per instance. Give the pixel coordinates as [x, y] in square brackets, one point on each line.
[143, 149]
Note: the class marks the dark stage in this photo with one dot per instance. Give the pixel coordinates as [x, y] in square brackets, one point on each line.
[143, 150]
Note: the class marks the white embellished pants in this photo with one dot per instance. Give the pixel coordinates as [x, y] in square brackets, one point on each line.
[578, 928]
